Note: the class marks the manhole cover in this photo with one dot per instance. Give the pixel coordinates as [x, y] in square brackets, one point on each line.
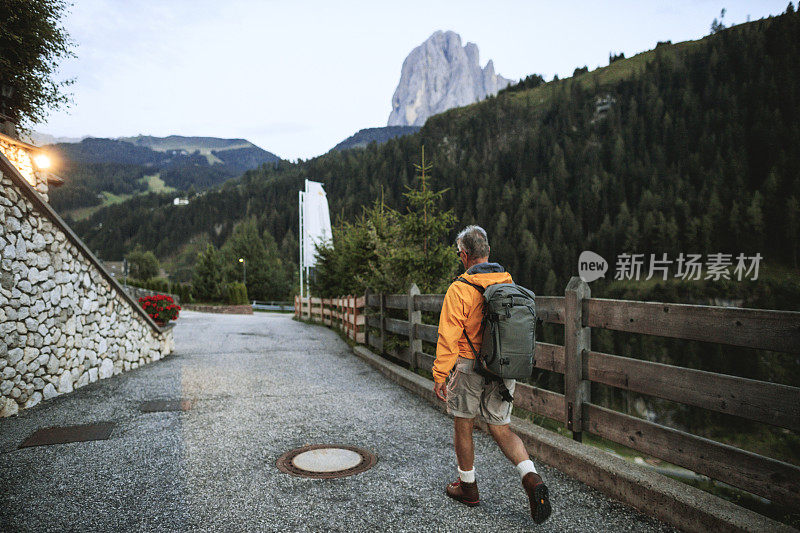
[326, 461]
[153, 406]
[61, 435]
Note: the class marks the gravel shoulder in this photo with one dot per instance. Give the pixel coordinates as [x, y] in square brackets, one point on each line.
[264, 384]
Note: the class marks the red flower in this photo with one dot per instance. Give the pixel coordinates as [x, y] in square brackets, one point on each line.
[160, 307]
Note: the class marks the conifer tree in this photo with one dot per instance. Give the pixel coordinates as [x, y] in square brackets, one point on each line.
[424, 256]
[267, 277]
[207, 280]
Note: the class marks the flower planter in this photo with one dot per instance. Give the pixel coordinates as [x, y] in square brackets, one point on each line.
[161, 308]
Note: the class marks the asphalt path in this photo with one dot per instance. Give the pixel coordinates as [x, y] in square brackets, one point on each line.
[262, 385]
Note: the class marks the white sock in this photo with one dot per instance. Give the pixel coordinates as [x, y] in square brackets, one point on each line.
[466, 476]
[526, 467]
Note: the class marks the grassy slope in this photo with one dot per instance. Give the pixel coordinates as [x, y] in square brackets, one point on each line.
[154, 184]
[85, 212]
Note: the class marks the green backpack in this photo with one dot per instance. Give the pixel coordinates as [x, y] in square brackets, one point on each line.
[509, 333]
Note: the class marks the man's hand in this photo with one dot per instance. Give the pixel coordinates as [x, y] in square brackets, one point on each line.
[440, 390]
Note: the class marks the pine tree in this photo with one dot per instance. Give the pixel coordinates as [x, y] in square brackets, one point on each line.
[267, 278]
[207, 279]
[424, 257]
[551, 285]
[792, 228]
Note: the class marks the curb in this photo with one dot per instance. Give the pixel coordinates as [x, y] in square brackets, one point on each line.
[246, 309]
[671, 501]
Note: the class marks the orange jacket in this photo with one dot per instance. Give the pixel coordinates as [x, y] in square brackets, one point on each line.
[463, 309]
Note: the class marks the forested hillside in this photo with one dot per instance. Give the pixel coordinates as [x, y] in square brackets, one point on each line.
[363, 137]
[691, 147]
[98, 171]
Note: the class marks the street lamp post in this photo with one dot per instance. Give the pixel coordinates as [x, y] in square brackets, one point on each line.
[244, 270]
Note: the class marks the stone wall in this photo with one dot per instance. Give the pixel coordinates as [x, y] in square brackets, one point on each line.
[63, 323]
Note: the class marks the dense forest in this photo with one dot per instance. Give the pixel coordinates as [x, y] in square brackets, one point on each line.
[85, 181]
[690, 147]
[95, 165]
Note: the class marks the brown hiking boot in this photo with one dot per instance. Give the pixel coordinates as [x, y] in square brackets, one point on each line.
[538, 497]
[466, 493]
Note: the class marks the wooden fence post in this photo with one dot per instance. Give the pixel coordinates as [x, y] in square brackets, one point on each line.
[346, 316]
[577, 342]
[414, 318]
[383, 321]
[329, 317]
[367, 292]
[351, 315]
[355, 318]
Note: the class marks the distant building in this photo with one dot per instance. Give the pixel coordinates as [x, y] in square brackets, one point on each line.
[602, 104]
[180, 201]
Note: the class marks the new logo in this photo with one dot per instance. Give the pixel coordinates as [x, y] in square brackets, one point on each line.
[591, 266]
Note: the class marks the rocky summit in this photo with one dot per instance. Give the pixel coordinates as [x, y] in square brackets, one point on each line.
[438, 75]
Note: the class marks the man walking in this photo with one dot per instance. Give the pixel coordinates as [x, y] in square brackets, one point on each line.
[467, 393]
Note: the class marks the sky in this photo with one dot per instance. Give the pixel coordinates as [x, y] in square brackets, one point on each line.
[297, 77]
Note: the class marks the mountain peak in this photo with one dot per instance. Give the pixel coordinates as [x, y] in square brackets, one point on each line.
[440, 74]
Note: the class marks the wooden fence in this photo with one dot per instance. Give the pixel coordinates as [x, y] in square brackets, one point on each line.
[345, 313]
[770, 403]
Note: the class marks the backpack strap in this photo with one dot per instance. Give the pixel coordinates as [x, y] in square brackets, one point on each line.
[487, 376]
[480, 290]
[474, 285]
[472, 346]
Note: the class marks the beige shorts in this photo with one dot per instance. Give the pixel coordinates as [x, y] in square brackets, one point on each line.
[468, 395]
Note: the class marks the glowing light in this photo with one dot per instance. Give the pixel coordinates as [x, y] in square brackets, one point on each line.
[20, 158]
[42, 161]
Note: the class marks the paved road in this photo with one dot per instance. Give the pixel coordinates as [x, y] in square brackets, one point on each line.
[265, 384]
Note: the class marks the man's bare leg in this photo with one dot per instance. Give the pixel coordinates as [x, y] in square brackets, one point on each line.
[465, 489]
[509, 443]
[465, 447]
[514, 449]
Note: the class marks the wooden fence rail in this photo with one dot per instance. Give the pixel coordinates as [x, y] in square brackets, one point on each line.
[760, 401]
[345, 313]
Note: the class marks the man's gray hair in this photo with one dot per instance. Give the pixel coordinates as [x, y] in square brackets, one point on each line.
[474, 241]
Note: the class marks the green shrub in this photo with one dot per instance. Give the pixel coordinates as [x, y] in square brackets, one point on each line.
[236, 293]
[183, 291]
[158, 285]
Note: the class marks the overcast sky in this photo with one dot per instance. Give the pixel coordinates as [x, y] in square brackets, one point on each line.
[298, 77]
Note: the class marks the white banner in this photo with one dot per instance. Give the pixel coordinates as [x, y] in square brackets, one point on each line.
[316, 221]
